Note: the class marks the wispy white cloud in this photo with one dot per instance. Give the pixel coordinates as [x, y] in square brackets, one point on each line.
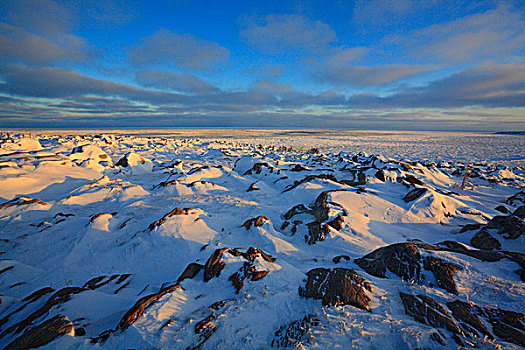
[275, 34]
[366, 76]
[491, 35]
[45, 17]
[165, 48]
[19, 45]
[174, 81]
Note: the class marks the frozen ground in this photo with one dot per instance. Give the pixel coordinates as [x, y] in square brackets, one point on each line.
[250, 239]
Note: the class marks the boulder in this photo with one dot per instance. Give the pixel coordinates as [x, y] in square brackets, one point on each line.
[257, 221]
[511, 226]
[252, 187]
[339, 286]
[404, 260]
[502, 209]
[42, 334]
[520, 212]
[483, 240]
[428, 311]
[414, 194]
[214, 265]
[176, 211]
[295, 333]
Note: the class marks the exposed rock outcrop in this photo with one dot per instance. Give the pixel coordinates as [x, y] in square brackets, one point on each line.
[339, 286]
[42, 334]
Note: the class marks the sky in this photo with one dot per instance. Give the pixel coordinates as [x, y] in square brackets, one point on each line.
[365, 64]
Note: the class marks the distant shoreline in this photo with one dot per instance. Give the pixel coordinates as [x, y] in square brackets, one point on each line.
[510, 133]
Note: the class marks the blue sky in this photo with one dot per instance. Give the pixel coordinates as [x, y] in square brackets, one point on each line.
[375, 64]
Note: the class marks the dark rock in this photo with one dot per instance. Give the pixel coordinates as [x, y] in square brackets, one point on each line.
[298, 209]
[42, 334]
[483, 240]
[520, 212]
[205, 334]
[253, 253]
[470, 227]
[337, 259]
[517, 199]
[257, 221]
[438, 337]
[246, 271]
[502, 209]
[295, 333]
[204, 323]
[99, 281]
[513, 322]
[359, 179]
[411, 179]
[214, 265]
[508, 333]
[508, 325]
[57, 298]
[167, 183]
[298, 167]
[258, 167]
[463, 312]
[414, 194]
[316, 232]
[252, 187]
[443, 273]
[380, 175]
[320, 209]
[136, 311]
[190, 271]
[6, 269]
[96, 216]
[337, 222]
[402, 259]
[21, 201]
[176, 211]
[310, 178]
[338, 286]
[521, 273]
[428, 311]
[123, 162]
[80, 332]
[511, 226]
[27, 300]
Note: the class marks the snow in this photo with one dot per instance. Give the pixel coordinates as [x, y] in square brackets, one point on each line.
[97, 216]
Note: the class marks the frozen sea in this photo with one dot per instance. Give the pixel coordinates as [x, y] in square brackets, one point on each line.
[503, 149]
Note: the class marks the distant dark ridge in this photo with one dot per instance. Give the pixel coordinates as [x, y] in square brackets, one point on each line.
[510, 133]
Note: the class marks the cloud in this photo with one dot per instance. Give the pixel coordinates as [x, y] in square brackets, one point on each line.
[383, 13]
[113, 12]
[41, 16]
[30, 93]
[490, 35]
[277, 33]
[364, 76]
[39, 32]
[340, 68]
[170, 80]
[181, 50]
[58, 83]
[488, 86]
[19, 45]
